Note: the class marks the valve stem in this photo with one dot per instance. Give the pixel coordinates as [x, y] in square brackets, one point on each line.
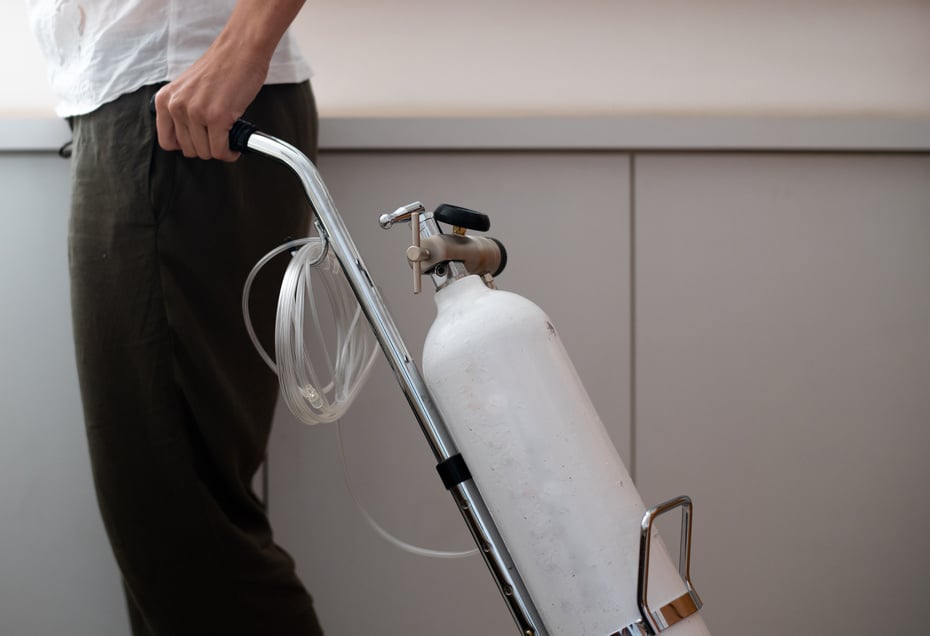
[417, 268]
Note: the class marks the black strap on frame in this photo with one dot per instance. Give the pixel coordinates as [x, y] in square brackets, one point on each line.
[453, 471]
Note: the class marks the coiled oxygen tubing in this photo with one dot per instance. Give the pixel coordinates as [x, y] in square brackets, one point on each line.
[314, 398]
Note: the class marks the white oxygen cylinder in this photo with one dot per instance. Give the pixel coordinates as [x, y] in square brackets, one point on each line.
[558, 491]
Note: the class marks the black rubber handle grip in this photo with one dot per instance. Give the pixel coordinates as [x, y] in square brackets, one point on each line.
[238, 135]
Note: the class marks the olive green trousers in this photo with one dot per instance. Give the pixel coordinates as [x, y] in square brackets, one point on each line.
[177, 403]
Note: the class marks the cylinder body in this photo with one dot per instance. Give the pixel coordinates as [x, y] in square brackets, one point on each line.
[553, 481]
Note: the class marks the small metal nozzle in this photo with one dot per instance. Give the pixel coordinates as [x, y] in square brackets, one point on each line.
[400, 214]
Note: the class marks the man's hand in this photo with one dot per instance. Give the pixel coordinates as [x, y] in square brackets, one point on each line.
[195, 111]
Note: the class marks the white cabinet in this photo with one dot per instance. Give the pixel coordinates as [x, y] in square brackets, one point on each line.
[753, 328]
[778, 328]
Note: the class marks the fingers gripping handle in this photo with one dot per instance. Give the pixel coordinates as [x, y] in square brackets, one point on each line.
[238, 135]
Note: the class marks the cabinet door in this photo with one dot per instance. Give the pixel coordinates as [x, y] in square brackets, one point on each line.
[564, 220]
[782, 347]
[57, 574]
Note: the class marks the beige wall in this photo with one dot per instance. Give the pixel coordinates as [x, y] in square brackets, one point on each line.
[438, 57]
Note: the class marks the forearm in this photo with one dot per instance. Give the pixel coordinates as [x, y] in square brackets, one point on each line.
[256, 27]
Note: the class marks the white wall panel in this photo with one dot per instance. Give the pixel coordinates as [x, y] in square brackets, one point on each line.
[589, 57]
[783, 380]
[610, 57]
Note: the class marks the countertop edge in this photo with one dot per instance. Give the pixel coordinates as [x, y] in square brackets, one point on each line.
[619, 133]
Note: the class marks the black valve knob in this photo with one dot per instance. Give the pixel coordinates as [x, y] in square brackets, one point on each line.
[462, 217]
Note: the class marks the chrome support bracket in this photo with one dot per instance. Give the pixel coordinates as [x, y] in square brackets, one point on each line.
[652, 622]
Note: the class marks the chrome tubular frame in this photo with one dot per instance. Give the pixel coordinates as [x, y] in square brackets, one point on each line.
[466, 495]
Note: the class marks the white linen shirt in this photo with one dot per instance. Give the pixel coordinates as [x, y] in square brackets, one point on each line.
[98, 50]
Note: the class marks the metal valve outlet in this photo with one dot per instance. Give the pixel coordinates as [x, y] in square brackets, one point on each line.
[432, 249]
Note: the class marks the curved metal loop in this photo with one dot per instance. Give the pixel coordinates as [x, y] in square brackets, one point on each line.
[688, 603]
[323, 252]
